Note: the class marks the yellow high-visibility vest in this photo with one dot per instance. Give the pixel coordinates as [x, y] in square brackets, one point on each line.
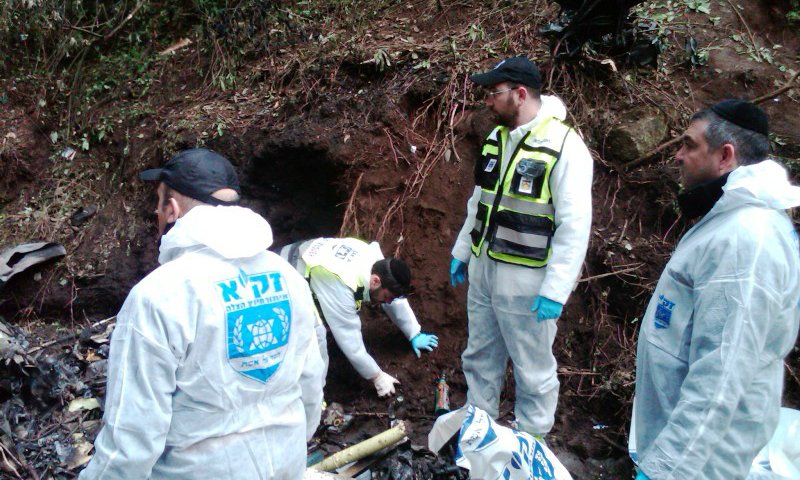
[343, 257]
[515, 213]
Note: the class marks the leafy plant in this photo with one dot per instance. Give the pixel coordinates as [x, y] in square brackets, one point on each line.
[382, 59]
[702, 6]
[793, 15]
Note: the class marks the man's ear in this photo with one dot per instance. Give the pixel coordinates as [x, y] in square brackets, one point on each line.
[172, 210]
[523, 94]
[374, 282]
[727, 161]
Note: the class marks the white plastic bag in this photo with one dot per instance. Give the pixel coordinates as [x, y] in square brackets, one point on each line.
[490, 451]
[778, 460]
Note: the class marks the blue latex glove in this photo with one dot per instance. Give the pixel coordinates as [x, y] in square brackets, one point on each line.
[641, 476]
[548, 309]
[458, 272]
[423, 341]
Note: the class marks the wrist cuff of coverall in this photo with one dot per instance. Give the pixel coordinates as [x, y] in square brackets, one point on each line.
[551, 294]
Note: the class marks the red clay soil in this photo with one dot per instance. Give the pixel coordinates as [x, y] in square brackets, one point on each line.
[357, 164]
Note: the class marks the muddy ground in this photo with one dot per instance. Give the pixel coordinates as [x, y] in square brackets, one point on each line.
[327, 143]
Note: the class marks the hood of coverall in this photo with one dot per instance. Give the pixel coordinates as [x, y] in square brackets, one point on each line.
[764, 184]
[214, 227]
[552, 106]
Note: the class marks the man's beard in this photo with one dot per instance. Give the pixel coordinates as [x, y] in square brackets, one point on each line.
[506, 120]
[509, 117]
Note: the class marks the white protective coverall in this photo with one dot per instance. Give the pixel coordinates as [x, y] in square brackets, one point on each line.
[500, 295]
[339, 307]
[214, 369]
[709, 367]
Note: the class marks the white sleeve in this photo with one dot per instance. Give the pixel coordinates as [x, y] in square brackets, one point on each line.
[401, 314]
[571, 186]
[138, 406]
[462, 250]
[339, 309]
[312, 379]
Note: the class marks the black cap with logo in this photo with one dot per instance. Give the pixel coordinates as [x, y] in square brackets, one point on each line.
[518, 70]
[196, 173]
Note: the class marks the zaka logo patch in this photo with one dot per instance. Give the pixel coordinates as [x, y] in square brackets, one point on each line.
[664, 312]
[259, 320]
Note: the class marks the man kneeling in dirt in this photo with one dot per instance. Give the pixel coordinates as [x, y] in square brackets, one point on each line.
[342, 273]
[214, 369]
[709, 364]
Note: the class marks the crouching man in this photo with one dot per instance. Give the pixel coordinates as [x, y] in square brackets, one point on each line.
[343, 273]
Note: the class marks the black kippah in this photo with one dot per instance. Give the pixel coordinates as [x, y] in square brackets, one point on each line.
[400, 272]
[743, 114]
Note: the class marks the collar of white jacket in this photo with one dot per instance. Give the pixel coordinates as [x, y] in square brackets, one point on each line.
[231, 231]
[765, 183]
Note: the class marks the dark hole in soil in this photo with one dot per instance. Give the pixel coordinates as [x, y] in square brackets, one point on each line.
[297, 190]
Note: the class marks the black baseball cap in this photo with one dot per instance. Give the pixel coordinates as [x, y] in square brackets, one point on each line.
[196, 173]
[743, 114]
[515, 70]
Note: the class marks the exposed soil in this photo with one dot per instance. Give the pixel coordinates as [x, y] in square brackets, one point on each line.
[342, 148]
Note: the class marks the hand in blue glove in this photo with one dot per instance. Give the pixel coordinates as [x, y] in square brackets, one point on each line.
[458, 272]
[546, 308]
[641, 476]
[423, 341]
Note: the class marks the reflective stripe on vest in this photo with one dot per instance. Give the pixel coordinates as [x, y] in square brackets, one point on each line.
[344, 257]
[515, 211]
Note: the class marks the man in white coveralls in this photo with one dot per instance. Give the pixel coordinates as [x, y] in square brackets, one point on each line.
[524, 239]
[214, 368]
[709, 366]
[343, 273]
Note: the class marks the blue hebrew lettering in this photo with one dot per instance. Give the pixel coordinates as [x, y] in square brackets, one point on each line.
[664, 312]
[229, 291]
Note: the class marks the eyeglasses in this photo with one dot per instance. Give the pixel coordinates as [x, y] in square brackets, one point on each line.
[497, 92]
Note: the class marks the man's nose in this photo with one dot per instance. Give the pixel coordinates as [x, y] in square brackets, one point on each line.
[679, 156]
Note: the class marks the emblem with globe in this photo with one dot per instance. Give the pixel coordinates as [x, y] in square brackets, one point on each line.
[260, 334]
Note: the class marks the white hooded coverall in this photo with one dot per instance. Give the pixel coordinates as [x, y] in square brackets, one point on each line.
[338, 304]
[500, 296]
[214, 369]
[709, 367]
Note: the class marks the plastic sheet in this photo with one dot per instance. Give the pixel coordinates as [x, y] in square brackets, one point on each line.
[489, 450]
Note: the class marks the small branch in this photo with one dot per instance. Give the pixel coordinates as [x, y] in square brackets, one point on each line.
[83, 30]
[618, 272]
[612, 442]
[391, 145]
[123, 22]
[640, 160]
[792, 373]
[350, 210]
[68, 337]
[786, 87]
[21, 461]
[7, 460]
[749, 33]
[568, 371]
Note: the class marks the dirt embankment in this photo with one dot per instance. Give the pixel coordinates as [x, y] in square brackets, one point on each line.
[374, 133]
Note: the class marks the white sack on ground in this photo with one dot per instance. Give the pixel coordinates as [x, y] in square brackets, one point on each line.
[489, 450]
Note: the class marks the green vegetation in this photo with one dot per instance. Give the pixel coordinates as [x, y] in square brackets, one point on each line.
[793, 15]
